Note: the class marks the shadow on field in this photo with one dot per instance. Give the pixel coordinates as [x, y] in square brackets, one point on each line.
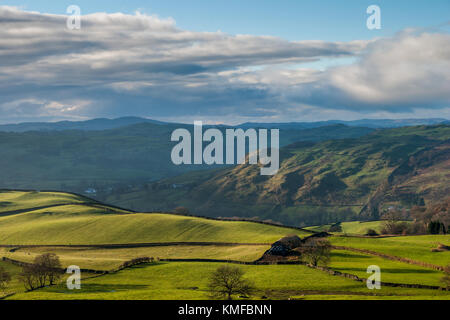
[387, 270]
[348, 255]
[96, 288]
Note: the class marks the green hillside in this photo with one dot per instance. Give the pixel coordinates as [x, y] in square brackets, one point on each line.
[77, 223]
[113, 160]
[351, 227]
[13, 201]
[319, 183]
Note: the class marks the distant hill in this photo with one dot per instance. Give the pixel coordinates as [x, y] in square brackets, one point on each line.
[88, 125]
[319, 182]
[105, 124]
[368, 123]
[111, 161]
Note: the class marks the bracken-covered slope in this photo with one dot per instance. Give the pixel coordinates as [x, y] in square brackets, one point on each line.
[319, 182]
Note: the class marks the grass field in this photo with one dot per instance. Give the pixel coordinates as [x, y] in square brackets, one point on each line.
[352, 227]
[412, 247]
[391, 271]
[107, 259]
[61, 223]
[188, 280]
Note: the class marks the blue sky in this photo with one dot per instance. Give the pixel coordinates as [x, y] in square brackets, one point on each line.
[224, 61]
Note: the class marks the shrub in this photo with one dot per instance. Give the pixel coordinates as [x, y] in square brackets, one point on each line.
[371, 233]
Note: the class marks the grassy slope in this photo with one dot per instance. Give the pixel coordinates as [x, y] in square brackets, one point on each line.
[86, 224]
[186, 280]
[352, 227]
[18, 200]
[391, 271]
[74, 225]
[412, 247]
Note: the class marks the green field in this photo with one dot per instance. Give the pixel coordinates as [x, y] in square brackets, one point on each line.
[188, 280]
[107, 259]
[412, 247]
[391, 271]
[352, 227]
[76, 224]
[77, 230]
[18, 200]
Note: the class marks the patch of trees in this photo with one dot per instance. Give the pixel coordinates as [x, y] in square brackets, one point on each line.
[432, 219]
[228, 281]
[137, 261]
[46, 269]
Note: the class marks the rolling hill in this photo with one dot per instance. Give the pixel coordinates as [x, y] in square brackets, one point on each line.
[71, 220]
[318, 182]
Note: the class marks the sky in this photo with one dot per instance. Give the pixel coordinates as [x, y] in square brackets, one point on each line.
[224, 61]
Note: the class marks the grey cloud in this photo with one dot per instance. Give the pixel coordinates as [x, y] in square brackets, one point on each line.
[142, 65]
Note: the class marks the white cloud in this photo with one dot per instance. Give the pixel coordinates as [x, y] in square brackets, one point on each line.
[410, 69]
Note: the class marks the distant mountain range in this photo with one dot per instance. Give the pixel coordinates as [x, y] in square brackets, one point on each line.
[368, 123]
[87, 125]
[105, 124]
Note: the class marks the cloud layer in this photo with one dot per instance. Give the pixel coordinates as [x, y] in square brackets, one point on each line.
[142, 65]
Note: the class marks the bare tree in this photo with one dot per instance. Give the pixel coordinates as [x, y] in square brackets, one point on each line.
[29, 276]
[227, 281]
[49, 267]
[316, 251]
[5, 278]
[45, 267]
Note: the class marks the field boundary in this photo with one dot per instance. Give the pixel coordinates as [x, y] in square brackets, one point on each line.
[393, 258]
[131, 245]
[387, 284]
[23, 264]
